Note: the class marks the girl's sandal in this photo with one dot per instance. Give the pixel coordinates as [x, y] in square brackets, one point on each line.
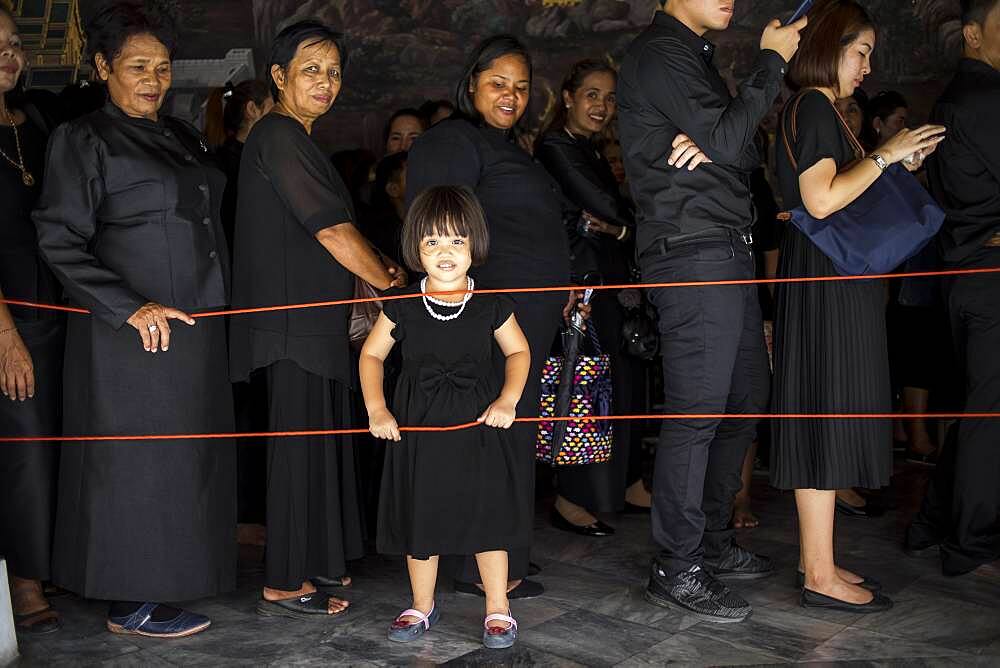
[498, 637]
[403, 631]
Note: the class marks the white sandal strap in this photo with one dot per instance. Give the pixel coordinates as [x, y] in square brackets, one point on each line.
[511, 623]
[421, 617]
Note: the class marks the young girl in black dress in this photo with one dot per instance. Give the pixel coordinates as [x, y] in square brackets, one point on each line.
[455, 492]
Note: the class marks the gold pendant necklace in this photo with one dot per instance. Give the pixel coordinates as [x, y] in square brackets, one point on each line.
[26, 177]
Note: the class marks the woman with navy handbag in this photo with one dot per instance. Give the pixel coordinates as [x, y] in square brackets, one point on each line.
[830, 342]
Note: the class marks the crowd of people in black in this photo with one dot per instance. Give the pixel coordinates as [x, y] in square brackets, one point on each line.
[656, 171]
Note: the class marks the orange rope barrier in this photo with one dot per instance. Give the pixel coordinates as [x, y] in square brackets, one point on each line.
[470, 425]
[565, 288]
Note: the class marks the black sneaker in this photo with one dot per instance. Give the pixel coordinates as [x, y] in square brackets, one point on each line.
[739, 563]
[697, 593]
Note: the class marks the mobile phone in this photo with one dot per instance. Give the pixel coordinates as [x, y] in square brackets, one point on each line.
[801, 11]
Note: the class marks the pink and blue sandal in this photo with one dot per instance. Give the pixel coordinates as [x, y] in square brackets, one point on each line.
[402, 631]
[499, 637]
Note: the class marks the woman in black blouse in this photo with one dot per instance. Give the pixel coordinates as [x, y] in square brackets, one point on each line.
[568, 150]
[241, 107]
[830, 342]
[524, 211]
[31, 352]
[296, 242]
[129, 222]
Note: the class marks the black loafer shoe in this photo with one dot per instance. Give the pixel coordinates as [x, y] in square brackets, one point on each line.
[925, 551]
[868, 510]
[739, 563]
[595, 530]
[527, 589]
[632, 509]
[867, 583]
[812, 599]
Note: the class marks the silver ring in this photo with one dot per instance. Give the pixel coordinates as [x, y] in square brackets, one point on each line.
[152, 328]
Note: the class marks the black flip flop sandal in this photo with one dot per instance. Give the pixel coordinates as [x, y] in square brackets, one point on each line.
[38, 623]
[310, 607]
[322, 582]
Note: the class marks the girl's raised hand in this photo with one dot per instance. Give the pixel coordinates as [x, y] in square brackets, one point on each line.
[499, 414]
[382, 424]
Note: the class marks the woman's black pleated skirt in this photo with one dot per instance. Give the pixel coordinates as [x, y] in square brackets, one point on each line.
[830, 357]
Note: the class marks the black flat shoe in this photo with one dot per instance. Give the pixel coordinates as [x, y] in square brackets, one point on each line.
[812, 599]
[323, 582]
[595, 530]
[867, 510]
[632, 509]
[869, 584]
[926, 551]
[930, 459]
[526, 589]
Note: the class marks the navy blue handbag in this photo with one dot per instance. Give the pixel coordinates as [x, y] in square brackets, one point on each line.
[876, 233]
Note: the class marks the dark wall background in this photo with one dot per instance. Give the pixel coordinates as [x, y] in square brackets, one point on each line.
[406, 51]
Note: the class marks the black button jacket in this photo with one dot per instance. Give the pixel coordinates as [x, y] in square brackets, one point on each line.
[121, 215]
[667, 86]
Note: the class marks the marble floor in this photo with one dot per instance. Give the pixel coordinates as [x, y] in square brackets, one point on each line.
[593, 612]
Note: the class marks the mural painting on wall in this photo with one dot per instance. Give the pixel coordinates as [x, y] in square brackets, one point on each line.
[407, 51]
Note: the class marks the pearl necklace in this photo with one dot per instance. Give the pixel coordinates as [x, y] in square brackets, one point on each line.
[431, 300]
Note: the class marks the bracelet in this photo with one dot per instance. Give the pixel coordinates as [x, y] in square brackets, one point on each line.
[621, 235]
[9, 329]
[879, 160]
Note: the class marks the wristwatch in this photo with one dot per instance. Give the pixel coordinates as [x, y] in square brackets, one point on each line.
[879, 160]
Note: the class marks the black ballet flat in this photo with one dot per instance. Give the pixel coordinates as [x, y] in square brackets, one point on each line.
[596, 530]
[871, 585]
[632, 509]
[813, 599]
[868, 510]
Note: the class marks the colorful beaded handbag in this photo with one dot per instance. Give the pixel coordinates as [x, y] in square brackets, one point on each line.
[575, 442]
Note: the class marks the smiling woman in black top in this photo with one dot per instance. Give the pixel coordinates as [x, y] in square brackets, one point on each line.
[567, 148]
[296, 242]
[129, 222]
[524, 211]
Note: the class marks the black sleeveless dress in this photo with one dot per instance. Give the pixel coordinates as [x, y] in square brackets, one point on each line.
[459, 492]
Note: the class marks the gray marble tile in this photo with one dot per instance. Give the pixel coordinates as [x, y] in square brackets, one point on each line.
[784, 634]
[860, 644]
[630, 606]
[592, 639]
[936, 619]
[519, 655]
[697, 650]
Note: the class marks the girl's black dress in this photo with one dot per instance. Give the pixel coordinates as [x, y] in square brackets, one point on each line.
[830, 353]
[459, 492]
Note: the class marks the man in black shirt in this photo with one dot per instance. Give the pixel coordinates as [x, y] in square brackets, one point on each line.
[694, 225]
[962, 505]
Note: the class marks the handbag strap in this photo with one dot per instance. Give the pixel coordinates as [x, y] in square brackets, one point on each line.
[789, 120]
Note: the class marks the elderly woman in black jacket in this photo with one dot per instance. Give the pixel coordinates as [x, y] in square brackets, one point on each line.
[129, 222]
[601, 249]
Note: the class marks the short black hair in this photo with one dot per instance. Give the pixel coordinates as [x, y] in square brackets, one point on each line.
[287, 42]
[976, 11]
[479, 61]
[408, 111]
[112, 26]
[445, 210]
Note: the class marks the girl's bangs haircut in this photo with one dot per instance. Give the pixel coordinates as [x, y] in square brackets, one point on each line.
[445, 211]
